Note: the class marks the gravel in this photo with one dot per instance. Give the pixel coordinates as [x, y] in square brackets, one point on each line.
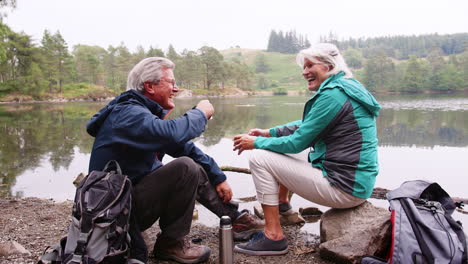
[37, 223]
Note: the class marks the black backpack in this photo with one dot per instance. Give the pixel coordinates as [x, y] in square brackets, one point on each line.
[98, 232]
[423, 230]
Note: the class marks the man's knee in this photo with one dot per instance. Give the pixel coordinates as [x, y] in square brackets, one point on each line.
[187, 168]
[185, 163]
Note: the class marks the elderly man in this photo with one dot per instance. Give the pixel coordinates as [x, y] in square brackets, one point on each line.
[132, 130]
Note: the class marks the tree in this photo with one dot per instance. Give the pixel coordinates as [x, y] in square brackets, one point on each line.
[175, 58]
[463, 61]
[154, 52]
[189, 69]
[6, 3]
[261, 64]
[139, 54]
[212, 65]
[437, 64]
[241, 74]
[288, 42]
[354, 58]
[172, 54]
[262, 82]
[414, 79]
[124, 62]
[5, 31]
[379, 73]
[273, 42]
[450, 78]
[57, 60]
[89, 63]
[113, 79]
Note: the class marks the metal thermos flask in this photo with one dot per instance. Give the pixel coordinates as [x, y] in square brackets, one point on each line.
[226, 242]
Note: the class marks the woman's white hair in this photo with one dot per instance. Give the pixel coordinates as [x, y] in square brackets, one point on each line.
[147, 70]
[326, 54]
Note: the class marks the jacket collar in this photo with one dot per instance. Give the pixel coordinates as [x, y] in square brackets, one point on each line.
[329, 80]
[154, 107]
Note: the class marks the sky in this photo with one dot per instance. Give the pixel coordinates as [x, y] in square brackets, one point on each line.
[191, 24]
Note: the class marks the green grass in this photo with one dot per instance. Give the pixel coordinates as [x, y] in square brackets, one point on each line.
[283, 73]
[86, 91]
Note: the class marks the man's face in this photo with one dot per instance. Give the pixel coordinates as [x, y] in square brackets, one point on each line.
[164, 92]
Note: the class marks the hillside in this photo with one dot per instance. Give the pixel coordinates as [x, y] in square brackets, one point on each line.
[435, 73]
[283, 71]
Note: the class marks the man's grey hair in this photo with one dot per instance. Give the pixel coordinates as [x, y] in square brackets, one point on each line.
[147, 70]
[326, 54]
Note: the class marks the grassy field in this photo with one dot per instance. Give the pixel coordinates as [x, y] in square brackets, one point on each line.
[80, 91]
[283, 73]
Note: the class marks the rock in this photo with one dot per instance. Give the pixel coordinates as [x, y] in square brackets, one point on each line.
[79, 179]
[347, 235]
[195, 214]
[310, 211]
[11, 248]
[289, 218]
[184, 93]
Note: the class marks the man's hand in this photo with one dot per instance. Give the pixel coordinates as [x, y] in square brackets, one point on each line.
[206, 107]
[224, 191]
[259, 132]
[243, 142]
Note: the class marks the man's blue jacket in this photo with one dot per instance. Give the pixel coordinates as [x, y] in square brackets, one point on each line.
[131, 129]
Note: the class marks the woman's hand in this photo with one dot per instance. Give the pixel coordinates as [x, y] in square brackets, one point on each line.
[243, 142]
[259, 132]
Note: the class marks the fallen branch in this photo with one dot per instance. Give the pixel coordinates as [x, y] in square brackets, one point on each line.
[235, 169]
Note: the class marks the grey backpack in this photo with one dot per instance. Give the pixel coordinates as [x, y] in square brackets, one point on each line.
[423, 228]
[98, 232]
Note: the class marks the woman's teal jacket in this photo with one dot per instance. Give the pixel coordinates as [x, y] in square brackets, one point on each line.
[339, 127]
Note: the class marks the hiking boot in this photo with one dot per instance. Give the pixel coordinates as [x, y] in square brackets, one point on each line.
[260, 245]
[246, 225]
[182, 251]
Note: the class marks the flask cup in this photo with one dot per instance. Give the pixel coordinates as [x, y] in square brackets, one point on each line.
[226, 242]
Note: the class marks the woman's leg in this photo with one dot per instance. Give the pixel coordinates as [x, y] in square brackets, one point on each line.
[269, 169]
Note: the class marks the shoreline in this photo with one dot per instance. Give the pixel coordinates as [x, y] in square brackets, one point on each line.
[37, 223]
[189, 94]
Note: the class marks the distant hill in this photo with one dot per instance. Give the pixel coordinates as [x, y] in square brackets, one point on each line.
[283, 71]
[414, 64]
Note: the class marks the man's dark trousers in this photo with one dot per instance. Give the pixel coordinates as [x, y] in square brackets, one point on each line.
[169, 194]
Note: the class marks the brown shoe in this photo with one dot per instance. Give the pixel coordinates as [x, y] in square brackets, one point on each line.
[246, 225]
[182, 251]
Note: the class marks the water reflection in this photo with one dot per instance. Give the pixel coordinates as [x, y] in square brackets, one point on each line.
[44, 146]
[41, 134]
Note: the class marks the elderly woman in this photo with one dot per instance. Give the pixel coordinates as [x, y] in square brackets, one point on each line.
[338, 126]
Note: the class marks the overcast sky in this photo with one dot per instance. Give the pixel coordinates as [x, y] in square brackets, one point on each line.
[222, 24]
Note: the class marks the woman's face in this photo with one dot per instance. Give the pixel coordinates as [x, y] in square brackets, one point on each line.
[314, 73]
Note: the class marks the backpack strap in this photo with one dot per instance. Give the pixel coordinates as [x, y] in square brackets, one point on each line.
[458, 229]
[113, 165]
[55, 255]
[52, 256]
[426, 252]
[80, 249]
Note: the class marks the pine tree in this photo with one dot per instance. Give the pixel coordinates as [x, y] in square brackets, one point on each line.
[212, 65]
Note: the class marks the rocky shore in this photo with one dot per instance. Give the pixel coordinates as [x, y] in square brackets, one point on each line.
[37, 223]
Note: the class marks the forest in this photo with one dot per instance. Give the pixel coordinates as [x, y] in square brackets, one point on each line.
[409, 64]
[49, 68]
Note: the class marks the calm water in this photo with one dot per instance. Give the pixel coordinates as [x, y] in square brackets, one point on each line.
[43, 147]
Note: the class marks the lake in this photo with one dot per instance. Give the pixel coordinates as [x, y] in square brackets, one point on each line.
[44, 146]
